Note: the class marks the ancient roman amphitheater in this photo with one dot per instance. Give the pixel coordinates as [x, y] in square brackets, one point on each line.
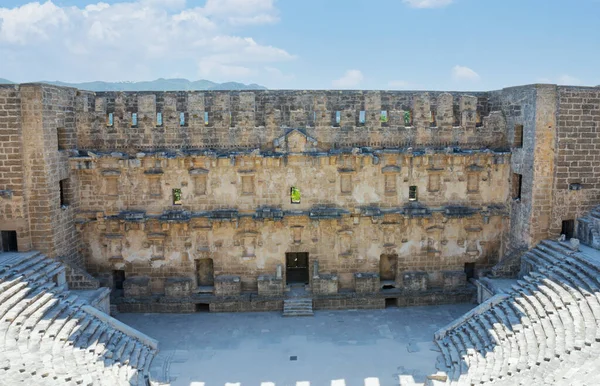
[300, 202]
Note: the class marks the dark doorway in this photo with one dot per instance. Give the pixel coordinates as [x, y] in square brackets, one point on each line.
[391, 302]
[118, 278]
[205, 273]
[388, 265]
[296, 267]
[568, 227]
[202, 307]
[9, 241]
[470, 270]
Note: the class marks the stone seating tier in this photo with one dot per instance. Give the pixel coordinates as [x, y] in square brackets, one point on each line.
[50, 336]
[546, 331]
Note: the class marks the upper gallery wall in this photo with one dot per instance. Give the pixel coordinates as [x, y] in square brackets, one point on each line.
[237, 119]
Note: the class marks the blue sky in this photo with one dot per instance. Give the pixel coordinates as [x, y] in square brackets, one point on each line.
[308, 44]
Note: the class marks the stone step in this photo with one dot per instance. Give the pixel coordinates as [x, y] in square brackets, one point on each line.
[298, 307]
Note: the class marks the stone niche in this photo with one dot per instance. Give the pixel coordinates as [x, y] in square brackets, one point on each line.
[137, 286]
[454, 279]
[270, 285]
[177, 287]
[227, 285]
[415, 281]
[366, 282]
[325, 284]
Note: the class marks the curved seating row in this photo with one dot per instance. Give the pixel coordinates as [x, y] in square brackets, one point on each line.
[545, 332]
[48, 336]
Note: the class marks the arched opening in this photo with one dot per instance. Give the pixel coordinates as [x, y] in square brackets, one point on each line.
[205, 274]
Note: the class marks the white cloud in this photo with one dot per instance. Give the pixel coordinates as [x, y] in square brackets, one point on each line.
[427, 3]
[462, 73]
[351, 78]
[101, 41]
[569, 80]
[30, 21]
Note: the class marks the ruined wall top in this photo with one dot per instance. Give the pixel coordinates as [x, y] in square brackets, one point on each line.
[255, 119]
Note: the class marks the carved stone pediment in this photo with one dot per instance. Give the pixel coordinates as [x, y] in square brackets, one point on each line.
[295, 141]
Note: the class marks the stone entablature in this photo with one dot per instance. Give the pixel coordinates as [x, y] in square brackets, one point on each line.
[348, 178]
[248, 247]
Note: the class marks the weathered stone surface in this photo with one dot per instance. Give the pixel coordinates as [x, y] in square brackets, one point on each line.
[137, 286]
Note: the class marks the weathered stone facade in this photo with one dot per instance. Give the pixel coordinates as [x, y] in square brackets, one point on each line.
[186, 196]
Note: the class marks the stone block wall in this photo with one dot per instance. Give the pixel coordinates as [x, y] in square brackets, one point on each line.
[248, 119]
[137, 286]
[366, 282]
[13, 203]
[228, 285]
[324, 284]
[576, 186]
[270, 285]
[177, 287]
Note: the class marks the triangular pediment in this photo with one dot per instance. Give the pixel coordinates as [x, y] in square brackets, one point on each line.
[295, 141]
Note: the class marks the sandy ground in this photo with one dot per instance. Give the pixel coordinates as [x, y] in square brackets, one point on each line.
[333, 348]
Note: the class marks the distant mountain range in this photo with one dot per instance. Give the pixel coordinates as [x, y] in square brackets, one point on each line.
[155, 85]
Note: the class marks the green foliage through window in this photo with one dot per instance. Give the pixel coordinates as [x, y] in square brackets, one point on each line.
[407, 118]
[384, 116]
[177, 197]
[295, 195]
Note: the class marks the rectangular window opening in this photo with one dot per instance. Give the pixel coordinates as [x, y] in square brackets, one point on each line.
[412, 193]
[159, 119]
[9, 241]
[203, 307]
[362, 117]
[295, 195]
[470, 270]
[118, 278]
[177, 200]
[517, 183]
[182, 119]
[568, 228]
[110, 120]
[206, 117]
[338, 118]
[64, 192]
[518, 139]
[407, 117]
[384, 116]
[391, 302]
[134, 121]
[432, 121]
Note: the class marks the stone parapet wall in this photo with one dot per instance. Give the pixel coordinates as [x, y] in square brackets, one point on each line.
[232, 119]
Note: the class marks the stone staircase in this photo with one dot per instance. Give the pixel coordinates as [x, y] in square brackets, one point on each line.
[298, 307]
[51, 336]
